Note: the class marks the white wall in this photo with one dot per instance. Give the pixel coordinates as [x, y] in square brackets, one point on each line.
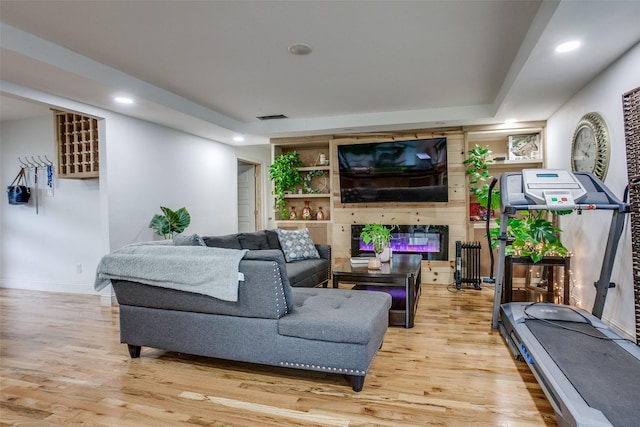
[143, 166]
[57, 248]
[586, 235]
[149, 166]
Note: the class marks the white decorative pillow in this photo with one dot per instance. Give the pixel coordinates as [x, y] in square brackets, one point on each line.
[297, 244]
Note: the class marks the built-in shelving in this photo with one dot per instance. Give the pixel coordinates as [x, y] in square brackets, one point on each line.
[76, 145]
[310, 150]
[496, 138]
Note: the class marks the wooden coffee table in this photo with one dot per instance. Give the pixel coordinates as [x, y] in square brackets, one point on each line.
[400, 277]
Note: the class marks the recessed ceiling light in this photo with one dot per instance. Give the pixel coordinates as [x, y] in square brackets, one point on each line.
[300, 49]
[238, 138]
[510, 121]
[123, 100]
[568, 46]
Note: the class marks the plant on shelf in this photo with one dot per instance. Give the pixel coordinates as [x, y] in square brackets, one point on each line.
[171, 222]
[478, 171]
[531, 234]
[285, 176]
[377, 234]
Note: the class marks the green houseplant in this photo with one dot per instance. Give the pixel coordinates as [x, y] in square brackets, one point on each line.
[285, 176]
[377, 234]
[170, 222]
[477, 163]
[531, 234]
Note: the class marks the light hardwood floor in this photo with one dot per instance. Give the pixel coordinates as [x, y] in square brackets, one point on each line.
[62, 364]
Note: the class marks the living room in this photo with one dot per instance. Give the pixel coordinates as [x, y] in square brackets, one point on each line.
[145, 165]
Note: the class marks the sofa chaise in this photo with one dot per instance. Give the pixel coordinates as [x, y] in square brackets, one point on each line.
[329, 330]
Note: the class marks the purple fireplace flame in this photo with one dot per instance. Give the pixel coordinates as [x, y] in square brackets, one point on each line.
[430, 241]
[403, 242]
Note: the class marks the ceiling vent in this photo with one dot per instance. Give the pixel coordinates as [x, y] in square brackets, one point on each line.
[272, 117]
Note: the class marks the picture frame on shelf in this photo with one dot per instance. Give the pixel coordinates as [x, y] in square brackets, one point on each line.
[524, 147]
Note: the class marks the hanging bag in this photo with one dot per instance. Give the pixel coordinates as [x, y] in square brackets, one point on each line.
[18, 192]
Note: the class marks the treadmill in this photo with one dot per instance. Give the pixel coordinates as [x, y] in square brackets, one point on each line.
[589, 373]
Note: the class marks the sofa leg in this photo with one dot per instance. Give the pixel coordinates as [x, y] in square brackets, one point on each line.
[357, 382]
[134, 350]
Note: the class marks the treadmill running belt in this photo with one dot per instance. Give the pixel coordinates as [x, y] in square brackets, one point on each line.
[606, 376]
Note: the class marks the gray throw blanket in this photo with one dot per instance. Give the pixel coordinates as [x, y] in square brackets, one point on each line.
[197, 269]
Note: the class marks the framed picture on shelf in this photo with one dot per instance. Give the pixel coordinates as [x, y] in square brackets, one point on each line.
[524, 147]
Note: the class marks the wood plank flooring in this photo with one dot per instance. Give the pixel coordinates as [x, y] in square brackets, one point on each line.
[61, 363]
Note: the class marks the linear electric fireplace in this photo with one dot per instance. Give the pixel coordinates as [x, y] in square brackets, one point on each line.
[430, 241]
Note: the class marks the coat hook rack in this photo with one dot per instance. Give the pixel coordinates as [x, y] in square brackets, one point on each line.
[23, 163]
[33, 163]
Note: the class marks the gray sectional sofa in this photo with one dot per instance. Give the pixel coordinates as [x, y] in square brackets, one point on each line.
[170, 298]
[302, 273]
[329, 330]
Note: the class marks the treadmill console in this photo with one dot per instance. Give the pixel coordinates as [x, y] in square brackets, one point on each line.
[556, 188]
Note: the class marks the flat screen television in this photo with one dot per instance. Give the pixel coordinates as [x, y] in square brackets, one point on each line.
[399, 171]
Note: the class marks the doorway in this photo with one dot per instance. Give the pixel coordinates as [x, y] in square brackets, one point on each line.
[248, 196]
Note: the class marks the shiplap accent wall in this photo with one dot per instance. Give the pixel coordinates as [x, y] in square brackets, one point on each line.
[454, 213]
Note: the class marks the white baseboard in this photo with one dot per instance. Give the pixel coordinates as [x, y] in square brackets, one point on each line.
[630, 335]
[107, 300]
[48, 286]
[107, 297]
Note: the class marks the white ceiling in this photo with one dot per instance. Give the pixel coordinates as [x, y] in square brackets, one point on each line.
[211, 67]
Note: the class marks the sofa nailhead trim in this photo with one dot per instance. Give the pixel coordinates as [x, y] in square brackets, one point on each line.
[323, 368]
[279, 290]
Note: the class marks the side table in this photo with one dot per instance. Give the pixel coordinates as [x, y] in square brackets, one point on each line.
[548, 261]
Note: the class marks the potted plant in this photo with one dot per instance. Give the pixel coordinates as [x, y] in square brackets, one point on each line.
[478, 171]
[531, 234]
[285, 176]
[170, 222]
[379, 236]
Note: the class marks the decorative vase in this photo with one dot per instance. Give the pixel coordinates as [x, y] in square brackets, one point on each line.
[320, 214]
[374, 263]
[293, 214]
[385, 255]
[306, 211]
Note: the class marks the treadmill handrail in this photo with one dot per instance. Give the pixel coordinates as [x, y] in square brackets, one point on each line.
[585, 207]
[614, 202]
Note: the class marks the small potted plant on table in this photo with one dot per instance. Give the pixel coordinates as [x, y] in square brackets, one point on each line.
[379, 236]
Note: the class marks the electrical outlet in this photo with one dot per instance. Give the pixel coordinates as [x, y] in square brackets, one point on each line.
[79, 268]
